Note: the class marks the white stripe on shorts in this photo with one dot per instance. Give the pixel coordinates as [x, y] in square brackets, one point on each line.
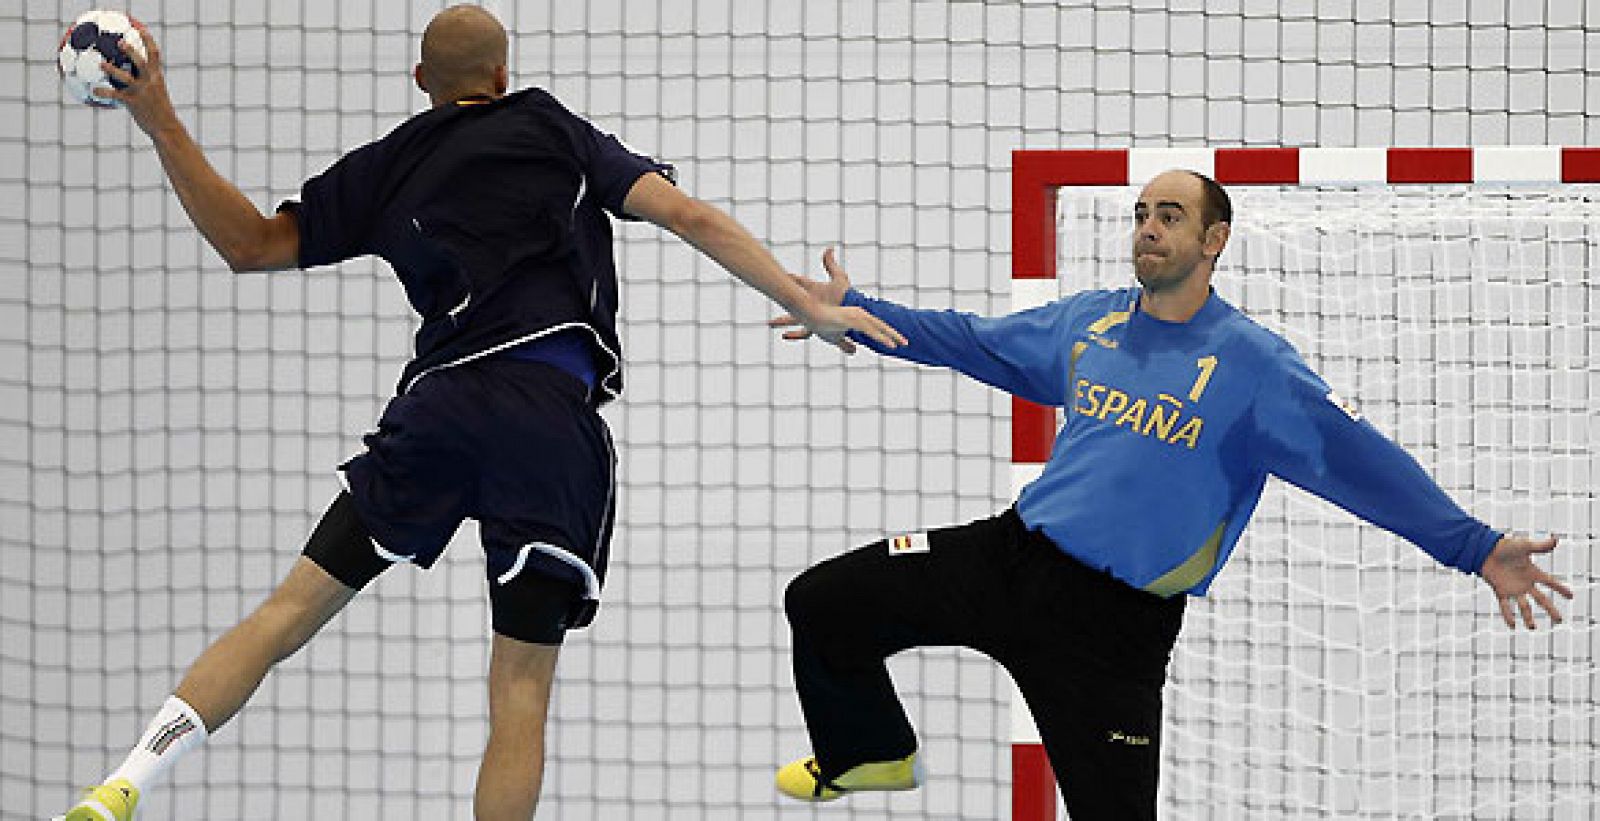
[591, 582]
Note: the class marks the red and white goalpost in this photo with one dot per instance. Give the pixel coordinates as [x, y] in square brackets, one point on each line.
[1517, 313]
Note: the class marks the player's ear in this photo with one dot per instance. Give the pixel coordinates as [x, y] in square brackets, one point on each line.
[416, 74]
[1215, 239]
[502, 79]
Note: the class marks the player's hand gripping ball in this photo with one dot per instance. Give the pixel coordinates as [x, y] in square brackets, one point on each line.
[96, 37]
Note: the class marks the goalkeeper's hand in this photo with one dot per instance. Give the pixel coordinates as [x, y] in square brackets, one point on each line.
[829, 319]
[1515, 579]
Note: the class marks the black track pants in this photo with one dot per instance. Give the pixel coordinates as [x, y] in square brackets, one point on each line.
[1088, 652]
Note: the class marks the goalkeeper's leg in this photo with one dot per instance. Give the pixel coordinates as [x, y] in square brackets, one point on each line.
[1102, 733]
[846, 622]
[1089, 654]
[850, 613]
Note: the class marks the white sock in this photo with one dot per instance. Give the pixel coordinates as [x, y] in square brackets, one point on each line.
[176, 730]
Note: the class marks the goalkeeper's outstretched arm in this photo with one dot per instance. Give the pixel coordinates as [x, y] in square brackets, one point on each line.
[227, 219]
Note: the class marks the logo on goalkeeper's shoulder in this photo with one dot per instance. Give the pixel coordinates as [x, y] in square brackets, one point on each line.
[1345, 405]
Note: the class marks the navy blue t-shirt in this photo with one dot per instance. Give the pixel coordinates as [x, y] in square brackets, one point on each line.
[493, 216]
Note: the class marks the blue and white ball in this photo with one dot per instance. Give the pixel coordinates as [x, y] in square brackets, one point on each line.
[94, 38]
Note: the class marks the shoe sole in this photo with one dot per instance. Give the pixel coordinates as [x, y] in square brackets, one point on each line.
[90, 811]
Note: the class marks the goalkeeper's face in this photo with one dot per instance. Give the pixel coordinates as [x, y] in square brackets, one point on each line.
[1169, 232]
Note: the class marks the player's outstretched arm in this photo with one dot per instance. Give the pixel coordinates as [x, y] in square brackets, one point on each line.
[232, 224]
[720, 237]
[1515, 579]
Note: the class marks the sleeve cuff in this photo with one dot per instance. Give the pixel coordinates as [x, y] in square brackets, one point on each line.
[1479, 553]
[293, 207]
[612, 203]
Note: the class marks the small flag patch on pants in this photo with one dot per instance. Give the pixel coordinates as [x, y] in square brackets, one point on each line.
[908, 543]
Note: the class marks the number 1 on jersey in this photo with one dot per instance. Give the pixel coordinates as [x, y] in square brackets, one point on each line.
[1207, 365]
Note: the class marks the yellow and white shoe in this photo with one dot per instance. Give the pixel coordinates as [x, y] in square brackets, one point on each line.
[111, 801]
[802, 779]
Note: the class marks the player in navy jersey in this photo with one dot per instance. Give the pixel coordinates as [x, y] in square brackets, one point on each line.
[1177, 408]
[494, 211]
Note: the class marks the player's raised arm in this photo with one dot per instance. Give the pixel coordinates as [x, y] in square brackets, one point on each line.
[720, 237]
[232, 224]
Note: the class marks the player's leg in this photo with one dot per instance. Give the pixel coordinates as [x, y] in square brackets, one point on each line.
[530, 612]
[544, 499]
[512, 773]
[220, 681]
[223, 678]
[338, 561]
[849, 614]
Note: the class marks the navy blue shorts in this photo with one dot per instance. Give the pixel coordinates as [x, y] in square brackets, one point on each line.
[515, 445]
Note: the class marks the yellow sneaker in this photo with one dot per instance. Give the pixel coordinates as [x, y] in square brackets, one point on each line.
[111, 801]
[802, 779]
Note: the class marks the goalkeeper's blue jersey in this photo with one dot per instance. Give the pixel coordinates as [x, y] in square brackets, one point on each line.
[1171, 429]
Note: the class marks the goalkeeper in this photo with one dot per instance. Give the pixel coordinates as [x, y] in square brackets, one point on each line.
[492, 209]
[1177, 408]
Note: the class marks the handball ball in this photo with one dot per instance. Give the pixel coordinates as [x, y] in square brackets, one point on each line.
[95, 37]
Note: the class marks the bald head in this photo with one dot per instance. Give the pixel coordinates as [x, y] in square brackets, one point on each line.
[463, 54]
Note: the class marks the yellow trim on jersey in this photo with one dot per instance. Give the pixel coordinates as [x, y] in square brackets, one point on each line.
[1109, 321]
[1077, 350]
[1097, 327]
[1193, 570]
[1072, 373]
